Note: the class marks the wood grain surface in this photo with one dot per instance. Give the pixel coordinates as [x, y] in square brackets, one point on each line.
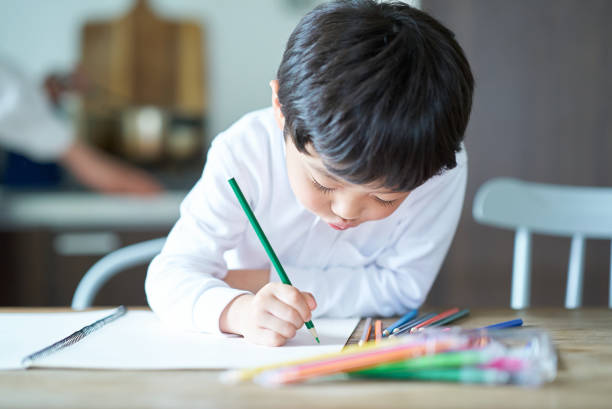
[584, 379]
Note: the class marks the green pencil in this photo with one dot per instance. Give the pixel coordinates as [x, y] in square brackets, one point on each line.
[266, 245]
[461, 375]
[441, 360]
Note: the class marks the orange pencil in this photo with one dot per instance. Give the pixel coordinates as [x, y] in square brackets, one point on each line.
[378, 331]
[435, 319]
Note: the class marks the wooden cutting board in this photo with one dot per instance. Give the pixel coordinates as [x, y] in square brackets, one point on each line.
[142, 59]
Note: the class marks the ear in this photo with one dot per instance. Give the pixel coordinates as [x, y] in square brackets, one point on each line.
[276, 106]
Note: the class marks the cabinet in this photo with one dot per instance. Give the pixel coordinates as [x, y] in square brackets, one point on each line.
[35, 272]
[49, 240]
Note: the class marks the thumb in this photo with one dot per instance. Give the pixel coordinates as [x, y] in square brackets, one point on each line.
[310, 300]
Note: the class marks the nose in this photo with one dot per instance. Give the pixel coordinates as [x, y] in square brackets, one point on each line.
[347, 208]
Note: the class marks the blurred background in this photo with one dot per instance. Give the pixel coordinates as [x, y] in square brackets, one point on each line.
[139, 88]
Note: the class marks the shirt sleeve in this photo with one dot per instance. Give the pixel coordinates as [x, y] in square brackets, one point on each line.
[27, 124]
[403, 273]
[184, 282]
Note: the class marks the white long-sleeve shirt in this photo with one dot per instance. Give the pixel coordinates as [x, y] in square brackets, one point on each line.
[27, 124]
[379, 268]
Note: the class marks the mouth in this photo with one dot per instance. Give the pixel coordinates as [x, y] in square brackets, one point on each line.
[340, 226]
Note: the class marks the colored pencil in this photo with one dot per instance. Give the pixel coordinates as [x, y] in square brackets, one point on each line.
[350, 362]
[405, 318]
[266, 245]
[451, 318]
[239, 375]
[366, 331]
[435, 319]
[469, 357]
[378, 331]
[506, 324]
[408, 326]
[459, 375]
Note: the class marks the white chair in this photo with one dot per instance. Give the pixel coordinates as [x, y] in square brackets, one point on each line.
[111, 264]
[572, 211]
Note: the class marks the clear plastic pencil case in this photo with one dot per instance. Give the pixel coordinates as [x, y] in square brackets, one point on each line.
[520, 356]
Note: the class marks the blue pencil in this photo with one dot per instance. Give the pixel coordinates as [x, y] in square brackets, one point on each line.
[407, 317]
[506, 324]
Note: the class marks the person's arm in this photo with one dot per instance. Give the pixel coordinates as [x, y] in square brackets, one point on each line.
[99, 171]
[247, 279]
[29, 127]
[185, 282]
[402, 275]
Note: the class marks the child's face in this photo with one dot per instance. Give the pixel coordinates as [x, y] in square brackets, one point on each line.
[340, 204]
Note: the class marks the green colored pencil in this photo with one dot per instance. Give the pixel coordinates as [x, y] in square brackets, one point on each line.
[461, 375]
[442, 360]
[266, 245]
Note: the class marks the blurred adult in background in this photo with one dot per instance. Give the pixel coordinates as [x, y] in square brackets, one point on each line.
[29, 127]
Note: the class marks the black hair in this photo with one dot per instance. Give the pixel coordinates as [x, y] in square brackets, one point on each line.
[381, 91]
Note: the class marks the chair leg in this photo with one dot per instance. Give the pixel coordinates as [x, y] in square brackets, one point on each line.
[610, 295]
[573, 295]
[521, 270]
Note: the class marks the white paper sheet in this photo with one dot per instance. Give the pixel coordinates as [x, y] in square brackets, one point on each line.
[24, 333]
[139, 340]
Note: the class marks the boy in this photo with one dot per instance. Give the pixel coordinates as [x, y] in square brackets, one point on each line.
[356, 174]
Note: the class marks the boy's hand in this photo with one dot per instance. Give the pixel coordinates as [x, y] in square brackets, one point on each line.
[270, 317]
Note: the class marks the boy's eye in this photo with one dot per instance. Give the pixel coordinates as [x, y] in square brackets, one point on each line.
[321, 187]
[385, 202]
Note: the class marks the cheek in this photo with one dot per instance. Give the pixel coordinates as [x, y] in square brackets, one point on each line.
[377, 212]
[304, 191]
[312, 199]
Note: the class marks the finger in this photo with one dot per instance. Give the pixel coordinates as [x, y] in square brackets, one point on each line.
[264, 336]
[310, 300]
[293, 297]
[273, 323]
[284, 311]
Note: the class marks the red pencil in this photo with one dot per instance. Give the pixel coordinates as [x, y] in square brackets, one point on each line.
[435, 319]
[378, 331]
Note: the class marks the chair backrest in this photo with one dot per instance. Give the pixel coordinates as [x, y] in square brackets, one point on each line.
[110, 265]
[574, 211]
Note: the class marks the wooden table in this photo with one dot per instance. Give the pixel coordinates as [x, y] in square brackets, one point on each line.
[583, 338]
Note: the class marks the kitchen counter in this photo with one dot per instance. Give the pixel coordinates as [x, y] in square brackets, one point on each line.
[50, 238]
[78, 209]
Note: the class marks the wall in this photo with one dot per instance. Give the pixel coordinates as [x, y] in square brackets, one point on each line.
[541, 112]
[244, 40]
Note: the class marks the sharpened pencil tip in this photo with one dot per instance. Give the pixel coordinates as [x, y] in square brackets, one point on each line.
[313, 331]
